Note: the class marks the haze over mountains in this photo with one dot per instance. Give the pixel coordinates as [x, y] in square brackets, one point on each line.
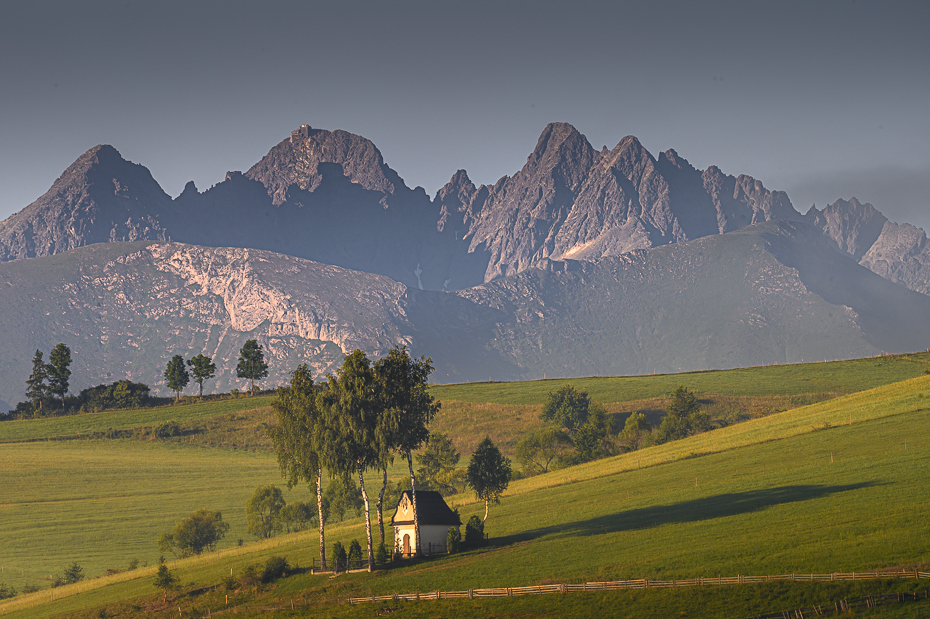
[584, 261]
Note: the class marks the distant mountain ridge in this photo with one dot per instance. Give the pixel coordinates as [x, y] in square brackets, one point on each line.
[775, 292]
[328, 196]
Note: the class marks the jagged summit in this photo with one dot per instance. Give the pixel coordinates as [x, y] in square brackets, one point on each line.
[99, 198]
[329, 196]
[296, 161]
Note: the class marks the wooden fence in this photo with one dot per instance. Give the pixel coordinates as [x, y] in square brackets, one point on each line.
[634, 584]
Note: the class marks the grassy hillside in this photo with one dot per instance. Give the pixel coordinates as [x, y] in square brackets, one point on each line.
[87, 424]
[506, 411]
[834, 486]
[840, 377]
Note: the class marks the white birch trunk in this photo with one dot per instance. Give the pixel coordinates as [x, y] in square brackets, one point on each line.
[381, 503]
[319, 510]
[416, 514]
[486, 501]
[361, 481]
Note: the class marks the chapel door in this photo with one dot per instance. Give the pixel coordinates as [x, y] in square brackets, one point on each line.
[406, 544]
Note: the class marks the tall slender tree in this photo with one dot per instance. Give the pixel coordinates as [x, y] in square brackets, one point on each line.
[407, 410]
[488, 473]
[177, 376]
[351, 419]
[251, 363]
[37, 388]
[59, 371]
[202, 368]
[295, 439]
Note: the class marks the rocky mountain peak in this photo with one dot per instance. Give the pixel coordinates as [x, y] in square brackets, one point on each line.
[563, 153]
[297, 160]
[99, 198]
[853, 226]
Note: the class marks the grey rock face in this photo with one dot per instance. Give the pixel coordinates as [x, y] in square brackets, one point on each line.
[572, 202]
[898, 252]
[100, 198]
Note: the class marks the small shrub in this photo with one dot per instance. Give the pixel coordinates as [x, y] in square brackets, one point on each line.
[339, 556]
[30, 588]
[275, 568]
[6, 592]
[474, 532]
[230, 583]
[382, 557]
[355, 551]
[74, 573]
[133, 564]
[251, 576]
[168, 429]
[453, 539]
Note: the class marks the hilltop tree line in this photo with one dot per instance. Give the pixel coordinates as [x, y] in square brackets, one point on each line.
[48, 384]
[579, 430]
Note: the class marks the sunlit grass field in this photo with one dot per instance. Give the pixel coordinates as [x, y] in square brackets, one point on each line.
[87, 423]
[833, 377]
[834, 486]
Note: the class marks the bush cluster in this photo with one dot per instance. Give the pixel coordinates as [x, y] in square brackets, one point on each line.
[259, 574]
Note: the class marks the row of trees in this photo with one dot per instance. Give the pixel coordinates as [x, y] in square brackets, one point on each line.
[50, 381]
[581, 430]
[251, 366]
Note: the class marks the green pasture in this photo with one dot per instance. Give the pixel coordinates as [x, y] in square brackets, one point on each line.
[831, 377]
[86, 424]
[832, 487]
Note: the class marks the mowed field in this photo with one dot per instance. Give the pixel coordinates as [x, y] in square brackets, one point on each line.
[830, 487]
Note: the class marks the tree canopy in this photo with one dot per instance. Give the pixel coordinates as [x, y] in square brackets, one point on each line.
[263, 511]
[567, 407]
[252, 364]
[296, 439]
[438, 465]
[59, 372]
[165, 580]
[37, 388]
[488, 473]
[683, 417]
[407, 409]
[537, 451]
[196, 533]
[176, 375]
[202, 368]
[352, 416]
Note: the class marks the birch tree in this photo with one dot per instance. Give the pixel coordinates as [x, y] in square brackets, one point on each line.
[350, 408]
[407, 410]
[295, 440]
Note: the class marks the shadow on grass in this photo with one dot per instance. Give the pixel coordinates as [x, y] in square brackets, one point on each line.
[706, 508]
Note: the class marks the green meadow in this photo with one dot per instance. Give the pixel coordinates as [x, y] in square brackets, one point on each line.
[833, 486]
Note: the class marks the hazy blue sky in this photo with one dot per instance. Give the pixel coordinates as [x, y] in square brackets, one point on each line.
[824, 99]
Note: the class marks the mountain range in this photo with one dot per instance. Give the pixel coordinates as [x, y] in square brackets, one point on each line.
[582, 262]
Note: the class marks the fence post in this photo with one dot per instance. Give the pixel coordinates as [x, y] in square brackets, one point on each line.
[471, 594]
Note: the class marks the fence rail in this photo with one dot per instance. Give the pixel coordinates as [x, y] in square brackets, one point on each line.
[635, 584]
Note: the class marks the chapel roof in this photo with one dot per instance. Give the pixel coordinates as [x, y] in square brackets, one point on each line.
[432, 508]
